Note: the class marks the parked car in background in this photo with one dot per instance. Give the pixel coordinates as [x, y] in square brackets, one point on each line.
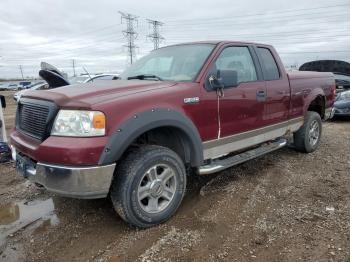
[342, 81]
[341, 105]
[340, 69]
[12, 87]
[36, 86]
[24, 84]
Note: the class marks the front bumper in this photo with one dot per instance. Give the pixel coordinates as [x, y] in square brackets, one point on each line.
[70, 181]
[341, 112]
[76, 182]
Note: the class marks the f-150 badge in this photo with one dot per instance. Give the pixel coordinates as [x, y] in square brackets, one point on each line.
[191, 100]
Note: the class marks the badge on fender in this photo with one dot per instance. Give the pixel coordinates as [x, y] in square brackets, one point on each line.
[191, 100]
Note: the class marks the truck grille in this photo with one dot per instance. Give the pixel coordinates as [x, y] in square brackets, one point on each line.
[33, 117]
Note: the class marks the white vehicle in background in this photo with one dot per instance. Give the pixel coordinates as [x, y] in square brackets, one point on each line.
[86, 78]
[36, 86]
[12, 87]
[55, 78]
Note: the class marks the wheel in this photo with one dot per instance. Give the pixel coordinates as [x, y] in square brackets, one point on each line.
[148, 186]
[308, 137]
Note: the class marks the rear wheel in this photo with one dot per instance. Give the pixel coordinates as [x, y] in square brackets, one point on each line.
[308, 137]
[148, 186]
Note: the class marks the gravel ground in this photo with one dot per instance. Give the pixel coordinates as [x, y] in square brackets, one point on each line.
[285, 206]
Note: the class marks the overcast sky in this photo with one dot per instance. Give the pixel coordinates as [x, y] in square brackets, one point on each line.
[91, 31]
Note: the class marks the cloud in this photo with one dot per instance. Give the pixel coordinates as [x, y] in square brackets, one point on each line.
[91, 33]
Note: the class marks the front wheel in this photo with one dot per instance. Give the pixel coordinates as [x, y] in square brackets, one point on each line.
[148, 186]
[308, 137]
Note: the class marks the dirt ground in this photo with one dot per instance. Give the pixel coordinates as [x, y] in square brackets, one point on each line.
[285, 206]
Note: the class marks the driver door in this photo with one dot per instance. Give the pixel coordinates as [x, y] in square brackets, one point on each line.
[242, 106]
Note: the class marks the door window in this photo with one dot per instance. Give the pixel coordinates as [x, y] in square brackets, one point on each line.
[237, 58]
[270, 67]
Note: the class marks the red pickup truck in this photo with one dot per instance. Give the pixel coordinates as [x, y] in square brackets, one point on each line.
[194, 108]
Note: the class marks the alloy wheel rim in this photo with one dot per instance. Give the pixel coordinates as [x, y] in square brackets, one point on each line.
[314, 133]
[157, 188]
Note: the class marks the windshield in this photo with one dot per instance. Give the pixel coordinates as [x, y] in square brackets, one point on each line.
[36, 84]
[342, 77]
[173, 63]
[343, 96]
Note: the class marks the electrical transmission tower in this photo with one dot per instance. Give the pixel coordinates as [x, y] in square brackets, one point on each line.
[155, 37]
[130, 34]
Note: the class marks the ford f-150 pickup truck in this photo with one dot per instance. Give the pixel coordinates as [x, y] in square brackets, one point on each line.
[194, 108]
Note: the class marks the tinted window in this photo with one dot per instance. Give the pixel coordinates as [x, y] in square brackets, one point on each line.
[238, 59]
[271, 69]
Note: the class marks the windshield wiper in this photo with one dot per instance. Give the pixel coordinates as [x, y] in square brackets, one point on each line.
[145, 76]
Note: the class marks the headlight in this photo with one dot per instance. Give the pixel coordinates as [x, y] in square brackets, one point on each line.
[79, 123]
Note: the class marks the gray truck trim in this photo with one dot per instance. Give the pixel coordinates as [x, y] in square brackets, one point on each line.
[219, 147]
[145, 121]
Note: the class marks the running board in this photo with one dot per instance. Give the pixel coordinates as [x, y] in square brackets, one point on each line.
[221, 164]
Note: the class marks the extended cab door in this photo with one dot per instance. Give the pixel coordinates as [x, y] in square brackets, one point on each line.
[241, 107]
[277, 103]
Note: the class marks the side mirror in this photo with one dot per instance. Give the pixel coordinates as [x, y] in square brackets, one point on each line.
[228, 78]
[3, 101]
[223, 79]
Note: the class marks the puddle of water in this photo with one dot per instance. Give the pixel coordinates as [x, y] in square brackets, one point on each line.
[18, 215]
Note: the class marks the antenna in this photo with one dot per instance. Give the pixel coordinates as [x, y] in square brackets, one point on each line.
[130, 34]
[156, 38]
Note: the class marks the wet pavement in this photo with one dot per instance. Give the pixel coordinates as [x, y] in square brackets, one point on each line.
[16, 216]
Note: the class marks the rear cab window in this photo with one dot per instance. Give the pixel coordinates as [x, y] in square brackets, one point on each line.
[269, 65]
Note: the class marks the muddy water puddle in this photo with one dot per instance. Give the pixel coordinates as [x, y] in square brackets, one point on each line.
[18, 215]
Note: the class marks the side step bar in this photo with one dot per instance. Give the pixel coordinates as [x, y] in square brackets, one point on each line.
[221, 164]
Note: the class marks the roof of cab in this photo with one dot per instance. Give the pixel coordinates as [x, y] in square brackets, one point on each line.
[219, 42]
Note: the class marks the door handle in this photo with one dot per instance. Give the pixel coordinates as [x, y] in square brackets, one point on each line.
[260, 95]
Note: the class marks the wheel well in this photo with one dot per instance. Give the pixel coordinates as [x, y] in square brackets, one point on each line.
[318, 105]
[170, 137]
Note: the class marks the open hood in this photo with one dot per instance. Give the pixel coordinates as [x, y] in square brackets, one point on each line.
[334, 66]
[53, 76]
[53, 79]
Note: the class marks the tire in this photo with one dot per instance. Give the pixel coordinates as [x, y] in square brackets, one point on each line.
[308, 137]
[142, 186]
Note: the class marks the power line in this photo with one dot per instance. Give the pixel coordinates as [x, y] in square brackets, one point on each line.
[155, 36]
[316, 52]
[264, 13]
[287, 18]
[130, 34]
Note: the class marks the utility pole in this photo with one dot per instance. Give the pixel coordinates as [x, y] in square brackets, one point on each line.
[73, 61]
[20, 68]
[130, 34]
[156, 38]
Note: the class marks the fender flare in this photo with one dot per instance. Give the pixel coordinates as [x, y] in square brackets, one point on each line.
[317, 92]
[145, 121]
